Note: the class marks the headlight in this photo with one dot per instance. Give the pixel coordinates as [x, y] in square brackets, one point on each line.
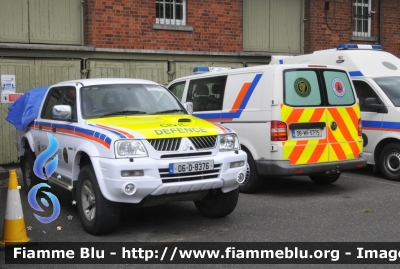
[228, 142]
[130, 148]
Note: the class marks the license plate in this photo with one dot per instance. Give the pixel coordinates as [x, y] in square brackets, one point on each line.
[187, 167]
[306, 133]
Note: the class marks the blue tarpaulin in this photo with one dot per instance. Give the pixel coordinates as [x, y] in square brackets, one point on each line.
[26, 109]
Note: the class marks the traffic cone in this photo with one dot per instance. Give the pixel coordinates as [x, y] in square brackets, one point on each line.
[14, 230]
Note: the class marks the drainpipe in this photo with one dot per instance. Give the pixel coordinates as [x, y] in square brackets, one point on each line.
[380, 22]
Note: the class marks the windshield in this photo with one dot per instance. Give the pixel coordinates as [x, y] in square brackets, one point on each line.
[127, 99]
[391, 87]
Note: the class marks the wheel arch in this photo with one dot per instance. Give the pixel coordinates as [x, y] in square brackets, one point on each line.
[381, 145]
[26, 142]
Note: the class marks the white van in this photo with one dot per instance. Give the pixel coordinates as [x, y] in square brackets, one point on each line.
[291, 119]
[376, 78]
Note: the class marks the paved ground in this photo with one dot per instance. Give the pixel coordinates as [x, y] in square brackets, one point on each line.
[360, 207]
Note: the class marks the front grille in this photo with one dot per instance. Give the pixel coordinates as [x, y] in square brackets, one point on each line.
[166, 177]
[204, 142]
[180, 155]
[168, 144]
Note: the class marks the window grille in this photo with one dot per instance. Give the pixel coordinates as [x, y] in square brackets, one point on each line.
[172, 12]
[362, 18]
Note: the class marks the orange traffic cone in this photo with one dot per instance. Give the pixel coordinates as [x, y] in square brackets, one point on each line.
[14, 231]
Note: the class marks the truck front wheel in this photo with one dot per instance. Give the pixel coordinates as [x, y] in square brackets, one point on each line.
[218, 204]
[28, 176]
[252, 181]
[389, 161]
[98, 215]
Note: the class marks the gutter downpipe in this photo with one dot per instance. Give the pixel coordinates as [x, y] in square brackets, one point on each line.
[380, 22]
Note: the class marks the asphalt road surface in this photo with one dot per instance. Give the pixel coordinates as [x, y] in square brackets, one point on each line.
[360, 207]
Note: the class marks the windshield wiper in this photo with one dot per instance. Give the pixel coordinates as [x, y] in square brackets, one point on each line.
[169, 111]
[124, 112]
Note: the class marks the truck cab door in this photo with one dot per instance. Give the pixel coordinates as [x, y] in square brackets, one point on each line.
[61, 129]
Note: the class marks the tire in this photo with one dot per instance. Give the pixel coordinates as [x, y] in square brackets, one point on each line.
[218, 204]
[98, 215]
[28, 176]
[252, 182]
[389, 161]
[323, 179]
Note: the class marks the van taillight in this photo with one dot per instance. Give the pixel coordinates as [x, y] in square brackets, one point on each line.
[359, 127]
[278, 131]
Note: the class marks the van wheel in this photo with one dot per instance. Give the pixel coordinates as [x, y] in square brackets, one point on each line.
[98, 215]
[389, 161]
[28, 176]
[323, 179]
[252, 182]
[218, 204]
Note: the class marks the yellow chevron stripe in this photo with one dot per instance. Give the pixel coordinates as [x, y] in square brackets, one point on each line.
[285, 112]
[307, 114]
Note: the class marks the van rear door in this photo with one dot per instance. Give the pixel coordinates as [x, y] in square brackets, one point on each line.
[322, 116]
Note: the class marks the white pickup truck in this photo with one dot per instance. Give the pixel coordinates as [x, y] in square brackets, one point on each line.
[129, 141]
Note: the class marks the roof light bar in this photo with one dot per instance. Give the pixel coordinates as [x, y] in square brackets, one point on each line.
[204, 69]
[359, 46]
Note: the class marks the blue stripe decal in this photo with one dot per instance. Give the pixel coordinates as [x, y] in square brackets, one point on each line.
[281, 61]
[63, 126]
[356, 74]
[230, 130]
[391, 125]
[381, 124]
[228, 115]
[43, 123]
[77, 130]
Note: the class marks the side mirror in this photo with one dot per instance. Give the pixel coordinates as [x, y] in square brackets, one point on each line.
[189, 107]
[62, 112]
[373, 104]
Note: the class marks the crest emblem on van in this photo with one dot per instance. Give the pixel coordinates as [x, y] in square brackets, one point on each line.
[302, 87]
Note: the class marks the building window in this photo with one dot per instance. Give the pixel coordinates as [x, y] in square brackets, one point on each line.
[171, 12]
[362, 18]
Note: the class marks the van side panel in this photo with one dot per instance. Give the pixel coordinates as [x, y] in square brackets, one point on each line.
[252, 100]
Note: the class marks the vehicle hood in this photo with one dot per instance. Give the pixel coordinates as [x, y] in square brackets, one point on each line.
[157, 126]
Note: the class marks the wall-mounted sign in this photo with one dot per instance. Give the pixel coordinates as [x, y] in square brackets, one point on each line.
[8, 89]
[8, 83]
[10, 97]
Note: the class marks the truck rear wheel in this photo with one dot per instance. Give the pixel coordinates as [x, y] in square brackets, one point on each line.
[252, 182]
[28, 176]
[324, 179]
[98, 215]
[218, 204]
[389, 161]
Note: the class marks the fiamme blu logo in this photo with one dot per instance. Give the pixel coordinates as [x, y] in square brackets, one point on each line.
[44, 166]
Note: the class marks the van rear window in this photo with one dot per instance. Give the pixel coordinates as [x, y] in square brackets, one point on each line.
[317, 87]
[338, 88]
[301, 88]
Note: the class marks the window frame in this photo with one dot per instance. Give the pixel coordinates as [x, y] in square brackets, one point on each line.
[361, 17]
[211, 104]
[173, 20]
[323, 90]
[47, 110]
[174, 86]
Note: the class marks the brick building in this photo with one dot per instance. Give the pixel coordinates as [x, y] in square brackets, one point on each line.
[329, 23]
[46, 41]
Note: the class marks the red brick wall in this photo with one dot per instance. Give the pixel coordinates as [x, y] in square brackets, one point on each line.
[325, 30]
[127, 24]
[391, 26]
